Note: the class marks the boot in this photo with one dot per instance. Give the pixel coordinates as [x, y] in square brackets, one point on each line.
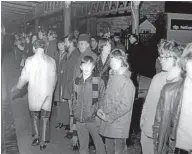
[45, 134]
[35, 125]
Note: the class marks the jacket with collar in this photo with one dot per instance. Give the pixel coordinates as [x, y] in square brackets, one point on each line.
[167, 117]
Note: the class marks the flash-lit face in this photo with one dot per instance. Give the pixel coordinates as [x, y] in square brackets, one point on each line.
[93, 42]
[87, 68]
[132, 39]
[115, 63]
[76, 33]
[106, 49]
[167, 63]
[34, 38]
[40, 35]
[67, 43]
[61, 46]
[83, 45]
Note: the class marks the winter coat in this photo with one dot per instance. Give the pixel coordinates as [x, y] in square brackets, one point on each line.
[68, 73]
[40, 73]
[86, 97]
[60, 62]
[117, 105]
[52, 49]
[103, 70]
[167, 118]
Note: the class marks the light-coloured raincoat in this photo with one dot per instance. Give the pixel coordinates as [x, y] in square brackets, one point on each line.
[40, 73]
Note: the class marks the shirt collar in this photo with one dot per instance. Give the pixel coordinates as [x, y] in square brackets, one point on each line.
[88, 80]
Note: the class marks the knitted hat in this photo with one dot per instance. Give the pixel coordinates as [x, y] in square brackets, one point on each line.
[84, 37]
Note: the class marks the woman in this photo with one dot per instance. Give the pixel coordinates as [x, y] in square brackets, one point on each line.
[102, 65]
[116, 106]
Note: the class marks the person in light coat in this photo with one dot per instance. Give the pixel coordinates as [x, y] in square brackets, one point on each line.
[40, 74]
[117, 105]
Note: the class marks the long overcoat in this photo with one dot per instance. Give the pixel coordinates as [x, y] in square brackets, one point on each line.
[68, 73]
[40, 74]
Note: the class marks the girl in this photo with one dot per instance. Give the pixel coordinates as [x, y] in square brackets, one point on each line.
[117, 104]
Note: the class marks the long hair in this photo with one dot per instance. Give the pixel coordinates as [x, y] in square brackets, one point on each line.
[187, 55]
[120, 54]
[102, 43]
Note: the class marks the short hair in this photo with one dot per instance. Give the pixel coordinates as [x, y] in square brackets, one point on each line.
[102, 43]
[87, 59]
[120, 54]
[61, 40]
[43, 32]
[53, 33]
[187, 55]
[71, 38]
[170, 48]
[39, 44]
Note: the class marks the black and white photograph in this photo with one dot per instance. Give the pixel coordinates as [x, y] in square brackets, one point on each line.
[96, 77]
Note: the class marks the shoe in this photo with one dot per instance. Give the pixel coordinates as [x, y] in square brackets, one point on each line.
[59, 126]
[75, 148]
[66, 127]
[54, 104]
[35, 142]
[69, 135]
[43, 146]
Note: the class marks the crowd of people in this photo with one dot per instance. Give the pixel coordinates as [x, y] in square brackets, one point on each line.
[92, 83]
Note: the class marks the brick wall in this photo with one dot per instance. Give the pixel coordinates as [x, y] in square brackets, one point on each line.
[152, 9]
[149, 9]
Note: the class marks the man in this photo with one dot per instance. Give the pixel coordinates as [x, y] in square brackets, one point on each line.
[117, 42]
[94, 45]
[169, 54]
[134, 60]
[42, 35]
[68, 73]
[172, 126]
[76, 34]
[85, 50]
[52, 48]
[40, 74]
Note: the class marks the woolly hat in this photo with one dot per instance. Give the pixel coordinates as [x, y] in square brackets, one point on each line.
[84, 37]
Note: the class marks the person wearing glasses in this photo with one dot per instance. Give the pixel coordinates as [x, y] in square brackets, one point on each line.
[169, 54]
[172, 125]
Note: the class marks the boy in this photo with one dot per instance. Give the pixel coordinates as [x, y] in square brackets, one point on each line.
[87, 91]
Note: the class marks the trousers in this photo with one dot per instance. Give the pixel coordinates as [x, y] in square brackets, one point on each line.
[115, 146]
[147, 144]
[83, 130]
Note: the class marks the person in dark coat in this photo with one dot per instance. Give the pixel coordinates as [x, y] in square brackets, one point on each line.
[62, 107]
[94, 45]
[68, 73]
[102, 65]
[52, 48]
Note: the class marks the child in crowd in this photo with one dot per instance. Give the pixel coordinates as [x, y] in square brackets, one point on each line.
[116, 110]
[87, 91]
